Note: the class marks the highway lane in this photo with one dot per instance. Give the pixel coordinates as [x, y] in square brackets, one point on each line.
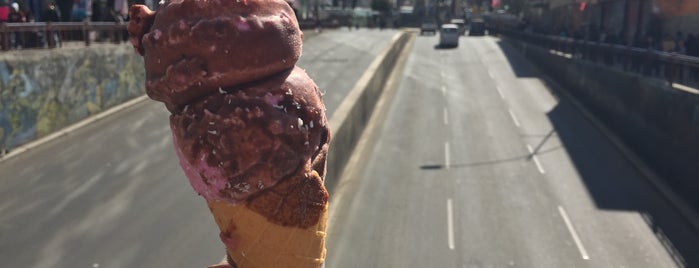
[337, 59]
[112, 194]
[479, 164]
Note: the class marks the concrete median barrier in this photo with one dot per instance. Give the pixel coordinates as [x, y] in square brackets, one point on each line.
[349, 120]
[50, 90]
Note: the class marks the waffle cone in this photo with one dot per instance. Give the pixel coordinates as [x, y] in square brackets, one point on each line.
[261, 243]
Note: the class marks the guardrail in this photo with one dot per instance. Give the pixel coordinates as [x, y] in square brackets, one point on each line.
[52, 34]
[672, 67]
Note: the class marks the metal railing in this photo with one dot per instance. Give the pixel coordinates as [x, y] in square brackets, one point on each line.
[52, 34]
[672, 67]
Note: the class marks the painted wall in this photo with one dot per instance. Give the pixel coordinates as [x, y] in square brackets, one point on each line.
[42, 91]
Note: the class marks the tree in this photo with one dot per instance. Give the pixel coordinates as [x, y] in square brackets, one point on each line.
[382, 6]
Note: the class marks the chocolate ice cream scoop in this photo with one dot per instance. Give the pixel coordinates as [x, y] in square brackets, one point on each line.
[191, 48]
[244, 139]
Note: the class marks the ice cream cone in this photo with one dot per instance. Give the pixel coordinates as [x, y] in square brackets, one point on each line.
[254, 241]
[249, 127]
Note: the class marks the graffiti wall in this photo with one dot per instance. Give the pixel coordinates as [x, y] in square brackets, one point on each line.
[42, 91]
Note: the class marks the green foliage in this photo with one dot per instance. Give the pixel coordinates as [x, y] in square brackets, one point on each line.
[381, 5]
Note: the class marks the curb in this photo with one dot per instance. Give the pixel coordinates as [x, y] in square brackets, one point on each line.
[352, 115]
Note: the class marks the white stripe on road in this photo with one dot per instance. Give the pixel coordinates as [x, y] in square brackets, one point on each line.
[446, 155]
[573, 233]
[450, 225]
[446, 117]
[499, 89]
[514, 118]
[536, 160]
[490, 73]
[444, 90]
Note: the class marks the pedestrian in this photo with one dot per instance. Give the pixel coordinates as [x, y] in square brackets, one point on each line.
[668, 44]
[16, 16]
[4, 10]
[51, 14]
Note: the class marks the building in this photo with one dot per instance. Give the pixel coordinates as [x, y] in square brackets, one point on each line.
[628, 18]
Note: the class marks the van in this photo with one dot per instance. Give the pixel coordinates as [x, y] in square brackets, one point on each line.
[449, 35]
[461, 23]
[477, 27]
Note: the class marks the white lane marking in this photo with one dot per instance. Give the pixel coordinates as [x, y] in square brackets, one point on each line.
[447, 163]
[514, 118]
[499, 89]
[536, 160]
[442, 73]
[573, 233]
[446, 117]
[490, 73]
[444, 90]
[450, 224]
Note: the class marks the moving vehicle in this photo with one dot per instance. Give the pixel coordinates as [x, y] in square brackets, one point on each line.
[461, 23]
[428, 26]
[449, 35]
[477, 27]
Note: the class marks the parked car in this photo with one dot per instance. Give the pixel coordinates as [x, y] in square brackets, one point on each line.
[449, 35]
[477, 27]
[428, 26]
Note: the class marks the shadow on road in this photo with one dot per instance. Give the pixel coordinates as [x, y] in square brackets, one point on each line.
[612, 182]
[526, 157]
[439, 47]
[520, 65]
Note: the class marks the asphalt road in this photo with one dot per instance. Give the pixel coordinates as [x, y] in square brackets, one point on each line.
[479, 164]
[112, 194]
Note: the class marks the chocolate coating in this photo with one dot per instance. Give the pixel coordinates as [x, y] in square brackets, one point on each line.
[297, 201]
[191, 48]
[244, 139]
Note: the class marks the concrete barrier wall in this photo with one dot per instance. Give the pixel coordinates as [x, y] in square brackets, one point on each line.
[659, 123]
[349, 120]
[42, 91]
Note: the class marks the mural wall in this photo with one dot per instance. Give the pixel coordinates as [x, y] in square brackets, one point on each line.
[42, 91]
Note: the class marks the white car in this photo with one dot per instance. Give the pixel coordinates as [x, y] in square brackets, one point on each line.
[449, 35]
